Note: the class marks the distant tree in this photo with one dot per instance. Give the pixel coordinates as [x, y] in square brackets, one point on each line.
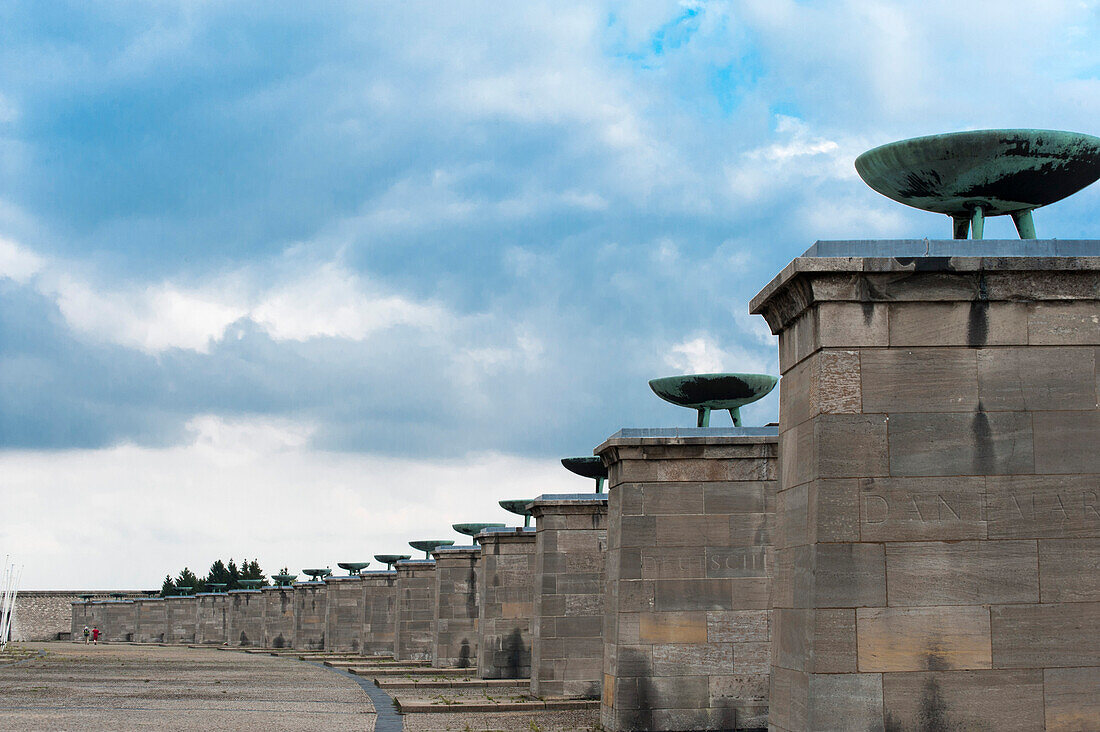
[169, 587]
[251, 570]
[233, 575]
[218, 574]
[187, 578]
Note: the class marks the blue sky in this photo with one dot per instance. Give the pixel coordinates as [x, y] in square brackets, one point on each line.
[370, 255]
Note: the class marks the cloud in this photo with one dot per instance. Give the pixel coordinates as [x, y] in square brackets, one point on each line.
[245, 488]
[702, 355]
[18, 263]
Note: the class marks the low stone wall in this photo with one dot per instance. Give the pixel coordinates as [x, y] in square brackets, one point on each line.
[309, 615]
[212, 621]
[414, 631]
[41, 615]
[456, 608]
[182, 613]
[246, 617]
[116, 622]
[345, 607]
[506, 594]
[278, 628]
[567, 628]
[150, 620]
[379, 611]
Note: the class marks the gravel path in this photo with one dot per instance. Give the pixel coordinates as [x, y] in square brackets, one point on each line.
[113, 687]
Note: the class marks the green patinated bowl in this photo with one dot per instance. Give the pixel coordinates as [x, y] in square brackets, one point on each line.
[713, 391]
[1002, 171]
[517, 506]
[427, 545]
[391, 559]
[353, 568]
[588, 466]
[472, 529]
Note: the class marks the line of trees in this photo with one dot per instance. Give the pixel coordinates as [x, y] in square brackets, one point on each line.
[225, 573]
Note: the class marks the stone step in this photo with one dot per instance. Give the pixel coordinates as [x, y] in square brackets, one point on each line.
[364, 663]
[453, 683]
[408, 671]
[421, 706]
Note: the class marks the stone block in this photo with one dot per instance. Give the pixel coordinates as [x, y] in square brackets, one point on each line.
[843, 702]
[979, 443]
[1021, 379]
[685, 659]
[1063, 323]
[1065, 442]
[1042, 507]
[849, 575]
[919, 380]
[962, 573]
[737, 626]
[740, 497]
[975, 323]
[698, 594]
[850, 324]
[833, 634]
[850, 446]
[1000, 700]
[1046, 636]
[1068, 570]
[1071, 700]
[672, 627]
[923, 639]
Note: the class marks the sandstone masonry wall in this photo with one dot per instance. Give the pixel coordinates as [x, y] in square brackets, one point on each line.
[415, 617]
[939, 513]
[507, 594]
[687, 631]
[278, 628]
[567, 625]
[456, 609]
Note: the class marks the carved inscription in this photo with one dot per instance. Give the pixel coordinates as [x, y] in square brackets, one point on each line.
[1082, 505]
[895, 511]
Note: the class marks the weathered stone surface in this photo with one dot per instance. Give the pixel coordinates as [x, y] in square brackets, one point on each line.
[924, 638]
[687, 632]
[278, 628]
[150, 620]
[570, 559]
[962, 573]
[1046, 636]
[977, 443]
[454, 644]
[116, 620]
[379, 612]
[1070, 698]
[995, 700]
[345, 607]
[506, 597]
[982, 498]
[182, 614]
[212, 625]
[1021, 379]
[1068, 570]
[414, 617]
[309, 615]
[246, 618]
[919, 380]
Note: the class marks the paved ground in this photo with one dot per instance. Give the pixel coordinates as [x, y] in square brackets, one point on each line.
[121, 687]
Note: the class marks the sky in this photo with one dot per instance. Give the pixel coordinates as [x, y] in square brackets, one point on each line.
[303, 282]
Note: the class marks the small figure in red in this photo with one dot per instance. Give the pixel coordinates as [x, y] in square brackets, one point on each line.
[95, 635]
